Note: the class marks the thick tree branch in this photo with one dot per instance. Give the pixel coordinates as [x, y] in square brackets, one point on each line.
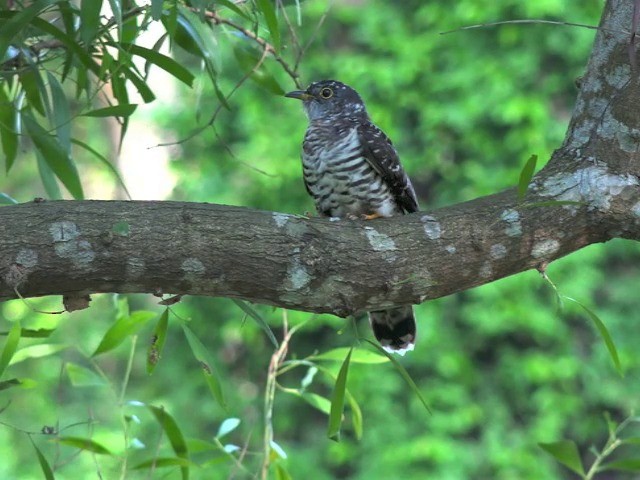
[343, 267]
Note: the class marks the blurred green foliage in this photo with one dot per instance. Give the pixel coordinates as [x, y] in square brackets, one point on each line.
[501, 368]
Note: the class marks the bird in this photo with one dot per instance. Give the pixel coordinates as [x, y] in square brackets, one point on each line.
[352, 170]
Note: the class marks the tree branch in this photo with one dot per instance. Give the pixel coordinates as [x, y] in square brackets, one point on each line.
[588, 192]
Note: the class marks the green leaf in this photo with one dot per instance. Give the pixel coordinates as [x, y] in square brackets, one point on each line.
[48, 178]
[525, 176]
[44, 464]
[246, 308]
[565, 452]
[105, 162]
[356, 415]
[202, 355]
[248, 59]
[125, 110]
[156, 9]
[281, 473]
[403, 373]
[7, 200]
[83, 377]
[31, 86]
[157, 344]
[10, 346]
[359, 355]
[7, 384]
[143, 89]
[8, 129]
[19, 21]
[174, 434]
[55, 156]
[116, 8]
[61, 112]
[337, 400]
[162, 462]
[122, 329]
[89, 20]
[604, 333]
[166, 63]
[317, 401]
[196, 37]
[267, 7]
[84, 444]
[36, 351]
[627, 464]
[227, 426]
[631, 440]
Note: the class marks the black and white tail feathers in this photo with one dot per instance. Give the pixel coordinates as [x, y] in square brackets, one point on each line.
[395, 329]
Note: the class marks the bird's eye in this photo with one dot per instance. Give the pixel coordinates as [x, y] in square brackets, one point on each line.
[326, 93]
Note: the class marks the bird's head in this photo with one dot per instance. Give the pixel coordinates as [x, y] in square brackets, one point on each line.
[328, 99]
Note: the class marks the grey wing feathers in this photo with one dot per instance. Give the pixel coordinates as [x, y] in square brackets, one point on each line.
[382, 156]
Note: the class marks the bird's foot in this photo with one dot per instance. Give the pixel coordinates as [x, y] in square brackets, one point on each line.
[370, 216]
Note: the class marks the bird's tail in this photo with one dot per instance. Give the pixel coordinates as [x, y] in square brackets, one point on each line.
[395, 329]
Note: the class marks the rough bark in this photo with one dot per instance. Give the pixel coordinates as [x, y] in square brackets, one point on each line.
[75, 248]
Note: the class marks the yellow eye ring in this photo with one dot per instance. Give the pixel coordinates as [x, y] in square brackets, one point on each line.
[326, 93]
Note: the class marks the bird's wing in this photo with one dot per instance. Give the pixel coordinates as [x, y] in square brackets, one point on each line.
[382, 156]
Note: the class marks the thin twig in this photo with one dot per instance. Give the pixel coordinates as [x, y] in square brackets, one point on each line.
[533, 21]
[311, 38]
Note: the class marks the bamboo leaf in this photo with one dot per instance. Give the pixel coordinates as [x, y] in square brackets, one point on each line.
[268, 10]
[19, 21]
[113, 111]
[48, 178]
[525, 176]
[84, 444]
[565, 452]
[123, 328]
[604, 333]
[246, 308]
[61, 112]
[10, 346]
[337, 400]
[403, 373]
[8, 129]
[166, 63]
[44, 464]
[7, 200]
[359, 356]
[89, 20]
[175, 436]
[31, 86]
[202, 355]
[105, 162]
[55, 156]
[157, 344]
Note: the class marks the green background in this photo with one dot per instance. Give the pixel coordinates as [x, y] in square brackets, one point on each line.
[500, 366]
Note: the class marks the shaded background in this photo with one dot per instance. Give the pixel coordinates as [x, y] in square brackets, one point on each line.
[501, 367]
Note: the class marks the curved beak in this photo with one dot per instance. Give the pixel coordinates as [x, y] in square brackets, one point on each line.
[299, 94]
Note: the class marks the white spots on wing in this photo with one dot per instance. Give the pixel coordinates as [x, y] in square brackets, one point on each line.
[27, 258]
[192, 267]
[399, 351]
[498, 251]
[334, 219]
[545, 248]
[68, 244]
[380, 242]
[450, 249]
[431, 227]
[281, 219]
[514, 227]
[135, 267]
